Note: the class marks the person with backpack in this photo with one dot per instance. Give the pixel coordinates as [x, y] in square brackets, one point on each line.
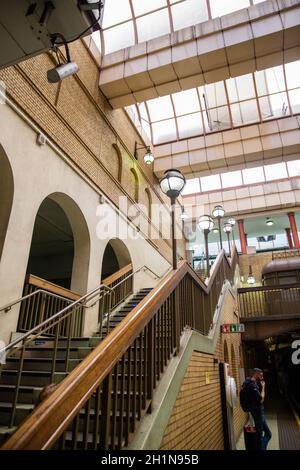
[252, 396]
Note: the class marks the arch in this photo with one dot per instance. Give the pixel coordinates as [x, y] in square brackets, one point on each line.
[6, 195]
[225, 352]
[149, 202]
[60, 246]
[120, 162]
[116, 256]
[234, 365]
[136, 184]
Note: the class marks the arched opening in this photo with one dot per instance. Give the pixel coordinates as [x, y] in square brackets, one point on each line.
[119, 162]
[149, 203]
[116, 256]
[60, 244]
[226, 353]
[234, 365]
[6, 195]
[136, 184]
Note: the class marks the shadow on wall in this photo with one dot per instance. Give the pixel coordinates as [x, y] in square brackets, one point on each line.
[6, 195]
[116, 256]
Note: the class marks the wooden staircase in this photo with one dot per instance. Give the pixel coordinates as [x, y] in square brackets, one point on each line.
[37, 367]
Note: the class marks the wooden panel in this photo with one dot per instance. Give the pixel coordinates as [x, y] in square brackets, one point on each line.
[54, 288]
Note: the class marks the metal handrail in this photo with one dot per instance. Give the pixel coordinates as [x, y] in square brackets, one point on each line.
[8, 307]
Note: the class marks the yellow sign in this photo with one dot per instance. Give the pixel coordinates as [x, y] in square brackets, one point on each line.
[207, 378]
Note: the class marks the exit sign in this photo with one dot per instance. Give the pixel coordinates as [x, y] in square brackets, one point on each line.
[233, 328]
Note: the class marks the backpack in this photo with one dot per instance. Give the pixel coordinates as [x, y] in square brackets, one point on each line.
[244, 398]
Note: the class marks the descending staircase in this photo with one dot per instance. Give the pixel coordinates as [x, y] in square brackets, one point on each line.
[37, 369]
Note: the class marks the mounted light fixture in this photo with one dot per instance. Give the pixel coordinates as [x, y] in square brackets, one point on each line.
[269, 222]
[206, 224]
[251, 278]
[148, 157]
[171, 184]
[184, 214]
[219, 212]
[62, 70]
[215, 230]
[227, 228]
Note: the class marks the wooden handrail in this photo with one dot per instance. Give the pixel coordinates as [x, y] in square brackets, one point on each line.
[44, 426]
[242, 290]
[49, 286]
[114, 277]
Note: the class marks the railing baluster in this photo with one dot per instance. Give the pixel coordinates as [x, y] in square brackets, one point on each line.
[128, 400]
[121, 402]
[106, 402]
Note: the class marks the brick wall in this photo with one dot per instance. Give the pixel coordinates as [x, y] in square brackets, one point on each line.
[78, 118]
[257, 262]
[196, 420]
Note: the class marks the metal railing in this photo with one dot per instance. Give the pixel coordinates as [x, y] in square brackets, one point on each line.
[287, 253]
[98, 405]
[266, 301]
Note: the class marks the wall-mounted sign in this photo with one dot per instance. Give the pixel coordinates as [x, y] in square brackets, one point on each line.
[207, 378]
[233, 328]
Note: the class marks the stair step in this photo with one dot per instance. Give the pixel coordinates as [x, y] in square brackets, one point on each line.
[48, 352]
[27, 394]
[41, 364]
[22, 411]
[6, 432]
[34, 378]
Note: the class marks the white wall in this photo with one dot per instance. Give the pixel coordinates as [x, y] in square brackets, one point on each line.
[38, 172]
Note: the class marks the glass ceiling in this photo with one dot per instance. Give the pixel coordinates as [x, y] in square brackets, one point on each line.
[247, 176]
[251, 98]
[129, 22]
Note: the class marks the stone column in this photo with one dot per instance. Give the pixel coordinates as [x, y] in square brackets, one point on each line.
[242, 237]
[294, 230]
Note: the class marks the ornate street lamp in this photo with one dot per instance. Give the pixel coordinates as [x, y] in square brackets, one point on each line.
[232, 222]
[227, 228]
[171, 184]
[251, 278]
[219, 212]
[206, 224]
[148, 157]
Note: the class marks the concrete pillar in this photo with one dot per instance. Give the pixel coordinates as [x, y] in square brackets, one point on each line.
[289, 237]
[294, 230]
[243, 239]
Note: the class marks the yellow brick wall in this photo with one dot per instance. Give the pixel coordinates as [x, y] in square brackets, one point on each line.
[78, 118]
[196, 420]
[257, 262]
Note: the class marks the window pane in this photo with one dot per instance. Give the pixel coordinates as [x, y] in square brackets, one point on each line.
[192, 186]
[119, 37]
[275, 172]
[274, 106]
[292, 71]
[240, 88]
[270, 81]
[143, 111]
[115, 12]
[244, 112]
[295, 100]
[209, 183]
[189, 125]
[96, 39]
[186, 102]
[153, 25]
[141, 7]
[221, 7]
[294, 168]
[253, 175]
[160, 108]
[212, 95]
[164, 131]
[219, 119]
[232, 178]
[189, 13]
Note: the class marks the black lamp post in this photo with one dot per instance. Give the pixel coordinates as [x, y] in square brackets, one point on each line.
[172, 184]
[232, 222]
[227, 228]
[206, 224]
[219, 212]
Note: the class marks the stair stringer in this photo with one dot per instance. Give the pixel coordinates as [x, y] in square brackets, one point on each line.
[150, 432]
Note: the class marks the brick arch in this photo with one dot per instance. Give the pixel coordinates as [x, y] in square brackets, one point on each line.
[149, 202]
[119, 162]
[136, 184]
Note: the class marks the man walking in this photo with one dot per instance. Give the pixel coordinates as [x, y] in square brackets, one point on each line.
[255, 386]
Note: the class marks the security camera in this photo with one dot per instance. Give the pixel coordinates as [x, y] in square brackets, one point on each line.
[62, 71]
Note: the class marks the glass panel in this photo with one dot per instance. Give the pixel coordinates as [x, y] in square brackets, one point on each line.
[186, 102]
[189, 13]
[209, 183]
[275, 172]
[244, 112]
[192, 186]
[253, 175]
[270, 81]
[141, 7]
[292, 71]
[274, 106]
[116, 12]
[221, 7]
[294, 168]
[218, 119]
[153, 25]
[240, 88]
[190, 125]
[160, 108]
[119, 37]
[164, 131]
[295, 100]
[232, 178]
[143, 111]
[214, 95]
[97, 40]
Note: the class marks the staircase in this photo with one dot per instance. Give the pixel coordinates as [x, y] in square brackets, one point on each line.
[37, 369]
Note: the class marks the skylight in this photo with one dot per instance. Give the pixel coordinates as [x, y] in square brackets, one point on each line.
[227, 104]
[129, 22]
